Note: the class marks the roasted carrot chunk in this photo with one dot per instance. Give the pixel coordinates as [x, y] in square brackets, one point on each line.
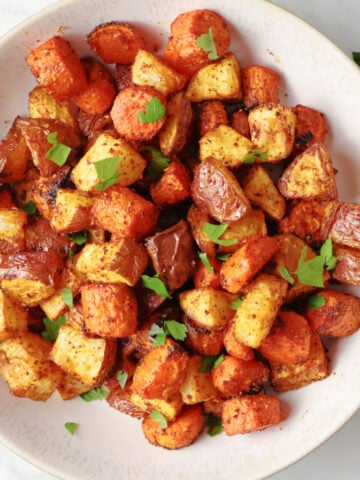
[211, 114]
[57, 68]
[116, 42]
[138, 113]
[260, 84]
[14, 155]
[311, 127]
[173, 186]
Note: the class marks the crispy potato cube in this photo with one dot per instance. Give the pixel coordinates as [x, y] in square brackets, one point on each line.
[124, 213]
[246, 262]
[30, 277]
[179, 433]
[42, 105]
[252, 223]
[250, 413]
[182, 51]
[288, 340]
[88, 359]
[170, 406]
[207, 307]
[310, 176]
[161, 371]
[173, 186]
[109, 310]
[175, 133]
[260, 84]
[220, 80]
[196, 219]
[262, 192]
[338, 317]
[240, 122]
[13, 317]
[211, 114]
[215, 190]
[70, 386]
[132, 164]
[122, 261]
[39, 236]
[272, 130]
[345, 227]
[226, 145]
[284, 377]
[116, 42]
[44, 190]
[203, 340]
[234, 347]
[347, 268]
[197, 386]
[258, 310]
[311, 127]
[118, 397]
[14, 155]
[97, 97]
[150, 70]
[57, 68]
[72, 211]
[234, 376]
[6, 198]
[12, 229]
[25, 366]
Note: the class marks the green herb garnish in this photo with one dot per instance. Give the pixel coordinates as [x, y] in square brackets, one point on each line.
[59, 152]
[326, 251]
[94, 394]
[284, 272]
[254, 155]
[159, 418]
[204, 259]
[310, 272]
[356, 57]
[71, 427]
[67, 297]
[107, 171]
[79, 238]
[209, 362]
[154, 111]
[121, 377]
[236, 303]
[159, 162]
[214, 425]
[176, 330]
[52, 328]
[29, 208]
[206, 43]
[316, 301]
[154, 283]
[215, 231]
[223, 257]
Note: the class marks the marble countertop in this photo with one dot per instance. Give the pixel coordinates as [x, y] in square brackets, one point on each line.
[339, 456]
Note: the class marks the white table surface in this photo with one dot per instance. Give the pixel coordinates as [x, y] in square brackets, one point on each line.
[339, 457]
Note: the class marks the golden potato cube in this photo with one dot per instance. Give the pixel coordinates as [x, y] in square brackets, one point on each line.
[226, 145]
[170, 407]
[131, 165]
[284, 377]
[150, 70]
[219, 80]
[208, 307]
[25, 366]
[13, 317]
[262, 192]
[12, 233]
[70, 386]
[122, 261]
[197, 387]
[311, 176]
[72, 211]
[258, 310]
[88, 359]
[272, 130]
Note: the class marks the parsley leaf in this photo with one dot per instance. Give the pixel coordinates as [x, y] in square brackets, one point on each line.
[154, 111]
[236, 303]
[79, 238]
[209, 362]
[29, 208]
[284, 272]
[159, 162]
[255, 154]
[67, 297]
[71, 427]
[107, 171]
[121, 377]
[95, 394]
[205, 261]
[159, 418]
[310, 272]
[214, 424]
[326, 251]
[206, 43]
[356, 57]
[52, 328]
[222, 257]
[59, 152]
[176, 330]
[215, 231]
[316, 301]
[154, 283]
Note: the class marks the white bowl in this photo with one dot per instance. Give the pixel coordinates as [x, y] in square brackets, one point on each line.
[110, 445]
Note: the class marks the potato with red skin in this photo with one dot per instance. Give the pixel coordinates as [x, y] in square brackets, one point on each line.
[179, 433]
[127, 108]
[210, 115]
[311, 127]
[14, 155]
[260, 84]
[347, 268]
[182, 51]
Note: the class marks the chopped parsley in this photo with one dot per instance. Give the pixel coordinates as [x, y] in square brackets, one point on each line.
[52, 327]
[159, 418]
[29, 208]
[236, 303]
[176, 330]
[95, 394]
[121, 377]
[254, 155]
[316, 301]
[214, 425]
[204, 259]
[79, 238]
[71, 427]
[59, 152]
[159, 162]
[206, 43]
[154, 283]
[209, 362]
[67, 297]
[214, 233]
[107, 171]
[154, 111]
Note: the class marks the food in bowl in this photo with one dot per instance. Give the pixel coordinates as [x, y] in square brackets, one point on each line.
[178, 274]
